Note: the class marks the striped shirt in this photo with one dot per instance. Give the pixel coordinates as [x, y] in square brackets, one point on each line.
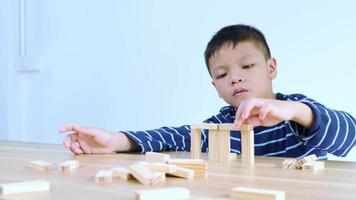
[332, 132]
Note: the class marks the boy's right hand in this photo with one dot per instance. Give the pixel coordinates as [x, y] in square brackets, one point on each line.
[87, 140]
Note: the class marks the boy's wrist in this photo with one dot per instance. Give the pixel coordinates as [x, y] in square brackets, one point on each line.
[303, 114]
[122, 143]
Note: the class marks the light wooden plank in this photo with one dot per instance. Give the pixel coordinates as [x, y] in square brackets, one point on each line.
[244, 193]
[23, 187]
[174, 193]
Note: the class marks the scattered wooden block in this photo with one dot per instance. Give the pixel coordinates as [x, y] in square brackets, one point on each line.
[298, 163]
[122, 173]
[313, 166]
[22, 187]
[183, 173]
[199, 166]
[68, 165]
[176, 193]
[185, 161]
[162, 167]
[104, 176]
[40, 165]
[143, 174]
[156, 157]
[243, 193]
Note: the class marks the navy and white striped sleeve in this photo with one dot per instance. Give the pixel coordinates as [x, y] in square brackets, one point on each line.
[332, 131]
[162, 139]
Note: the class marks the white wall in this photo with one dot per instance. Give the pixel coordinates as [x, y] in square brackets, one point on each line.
[132, 65]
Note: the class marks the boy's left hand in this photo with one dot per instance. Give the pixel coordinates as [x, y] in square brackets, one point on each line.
[266, 112]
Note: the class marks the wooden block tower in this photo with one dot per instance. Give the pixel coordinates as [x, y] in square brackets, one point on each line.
[219, 142]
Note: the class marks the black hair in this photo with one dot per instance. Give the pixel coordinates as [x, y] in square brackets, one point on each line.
[234, 34]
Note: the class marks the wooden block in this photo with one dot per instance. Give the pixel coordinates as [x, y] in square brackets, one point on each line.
[156, 157]
[289, 164]
[231, 127]
[213, 146]
[183, 173]
[186, 161]
[208, 126]
[22, 187]
[224, 146]
[68, 165]
[162, 167]
[313, 166]
[175, 193]
[195, 143]
[122, 173]
[233, 156]
[243, 193]
[40, 165]
[143, 174]
[247, 147]
[104, 176]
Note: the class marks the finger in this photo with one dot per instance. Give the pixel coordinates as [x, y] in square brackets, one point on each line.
[67, 128]
[84, 144]
[238, 119]
[265, 109]
[75, 148]
[254, 121]
[249, 106]
[69, 139]
[85, 130]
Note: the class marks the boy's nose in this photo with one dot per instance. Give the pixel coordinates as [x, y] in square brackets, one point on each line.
[236, 79]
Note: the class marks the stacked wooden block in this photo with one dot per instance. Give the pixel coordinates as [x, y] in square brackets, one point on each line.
[154, 170]
[219, 142]
[308, 163]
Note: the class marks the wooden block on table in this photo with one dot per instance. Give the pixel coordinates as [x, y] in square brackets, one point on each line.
[186, 161]
[22, 187]
[40, 165]
[104, 176]
[208, 126]
[313, 166]
[162, 167]
[213, 146]
[247, 147]
[224, 146]
[68, 165]
[156, 157]
[243, 193]
[122, 173]
[175, 193]
[144, 175]
[195, 143]
[183, 173]
[231, 127]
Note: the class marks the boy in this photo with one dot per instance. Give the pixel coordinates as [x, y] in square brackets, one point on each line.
[242, 69]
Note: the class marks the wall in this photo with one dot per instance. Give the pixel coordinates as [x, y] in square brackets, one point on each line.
[133, 65]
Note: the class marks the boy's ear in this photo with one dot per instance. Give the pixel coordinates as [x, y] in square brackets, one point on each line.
[272, 68]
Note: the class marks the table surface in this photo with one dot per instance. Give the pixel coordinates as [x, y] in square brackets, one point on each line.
[336, 181]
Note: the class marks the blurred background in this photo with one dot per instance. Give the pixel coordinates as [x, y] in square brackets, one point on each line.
[138, 64]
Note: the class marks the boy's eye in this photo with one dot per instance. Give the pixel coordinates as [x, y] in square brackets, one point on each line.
[221, 76]
[247, 66]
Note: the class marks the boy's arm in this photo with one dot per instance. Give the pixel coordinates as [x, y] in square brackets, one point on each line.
[319, 127]
[333, 131]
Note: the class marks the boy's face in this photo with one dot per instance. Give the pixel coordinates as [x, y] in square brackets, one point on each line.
[242, 72]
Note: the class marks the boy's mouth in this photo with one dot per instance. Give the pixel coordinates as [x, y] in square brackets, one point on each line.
[239, 91]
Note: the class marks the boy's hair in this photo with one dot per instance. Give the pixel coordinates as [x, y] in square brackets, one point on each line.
[233, 35]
